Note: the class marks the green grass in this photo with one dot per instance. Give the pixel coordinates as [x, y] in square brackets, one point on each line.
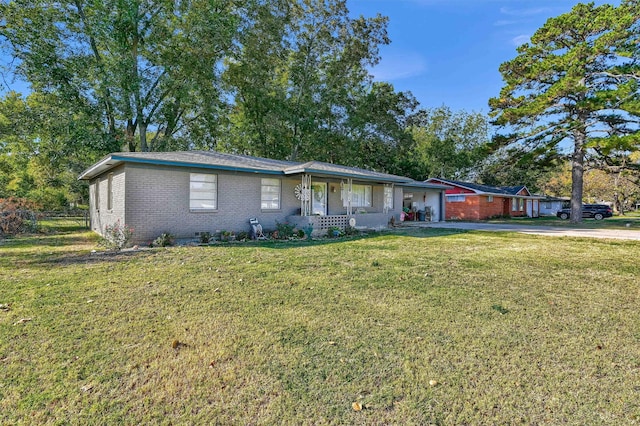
[629, 220]
[419, 327]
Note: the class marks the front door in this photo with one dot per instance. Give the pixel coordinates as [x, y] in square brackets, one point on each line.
[319, 198]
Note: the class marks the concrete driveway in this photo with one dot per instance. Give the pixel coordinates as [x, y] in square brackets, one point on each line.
[618, 234]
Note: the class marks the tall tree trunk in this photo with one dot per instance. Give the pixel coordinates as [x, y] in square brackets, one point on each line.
[577, 174]
[142, 129]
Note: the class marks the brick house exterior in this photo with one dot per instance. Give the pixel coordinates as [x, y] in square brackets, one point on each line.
[470, 201]
[156, 193]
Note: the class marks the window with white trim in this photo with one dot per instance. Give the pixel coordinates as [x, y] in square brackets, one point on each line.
[489, 198]
[521, 204]
[270, 194]
[456, 198]
[514, 204]
[388, 197]
[360, 196]
[96, 194]
[110, 192]
[203, 191]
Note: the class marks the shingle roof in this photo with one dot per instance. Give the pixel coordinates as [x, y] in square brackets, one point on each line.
[500, 190]
[243, 163]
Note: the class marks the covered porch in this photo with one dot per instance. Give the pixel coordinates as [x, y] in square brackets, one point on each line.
[339, 201]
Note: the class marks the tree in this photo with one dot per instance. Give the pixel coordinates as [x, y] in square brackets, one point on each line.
[513, 165]
[564, 86]
[447, 144]
[43, 147]
[140, 66]
[302, 87]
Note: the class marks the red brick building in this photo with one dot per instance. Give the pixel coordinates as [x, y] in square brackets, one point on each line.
[471, 201]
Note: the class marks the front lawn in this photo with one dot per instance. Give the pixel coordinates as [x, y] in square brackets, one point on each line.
[416, 327]
[629, 220]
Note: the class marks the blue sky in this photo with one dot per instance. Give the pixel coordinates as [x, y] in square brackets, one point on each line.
[447, 52]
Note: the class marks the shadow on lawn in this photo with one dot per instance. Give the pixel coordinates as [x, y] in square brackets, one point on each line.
[96, 257]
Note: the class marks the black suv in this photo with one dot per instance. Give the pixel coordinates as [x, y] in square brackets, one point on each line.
[596, 211]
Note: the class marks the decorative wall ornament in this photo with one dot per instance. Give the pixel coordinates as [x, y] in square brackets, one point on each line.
[302, 194]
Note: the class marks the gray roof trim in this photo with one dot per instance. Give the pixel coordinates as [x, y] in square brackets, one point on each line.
[427, 185]
[112, 161]
[478, 189]
[329, 169]
[236, 163]
[198, 165]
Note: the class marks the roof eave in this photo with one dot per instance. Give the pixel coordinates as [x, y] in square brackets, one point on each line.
[105, 165]
[319, 172]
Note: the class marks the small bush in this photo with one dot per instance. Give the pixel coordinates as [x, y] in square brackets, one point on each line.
[205, 237]
[285, 230]
[116, 236]
[164, 240]
[350, 230]
[17, 215]
[334, 232]
[243, 236]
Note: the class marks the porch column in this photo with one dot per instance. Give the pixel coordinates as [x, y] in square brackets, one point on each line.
[349, 196]
[305, 196]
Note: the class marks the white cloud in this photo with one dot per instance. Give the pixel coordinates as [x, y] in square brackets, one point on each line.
[505, 22]
[521, 39]
[399, 65]
[526, 12]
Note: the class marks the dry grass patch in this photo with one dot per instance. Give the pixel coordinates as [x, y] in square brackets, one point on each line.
[428, 326]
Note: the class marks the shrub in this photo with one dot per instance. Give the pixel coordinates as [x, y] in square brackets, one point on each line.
[350, 230]
[164, 240]
[17, 215]
[285, 230]
[334, 232]
[205, 237]
[116, 236]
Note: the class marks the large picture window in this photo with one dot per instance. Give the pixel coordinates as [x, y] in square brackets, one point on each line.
[203, 191]
[360, 196]
[270, 194]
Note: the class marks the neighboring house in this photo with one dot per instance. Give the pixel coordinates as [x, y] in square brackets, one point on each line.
[549, 206]
[191, 192]
[471, 201]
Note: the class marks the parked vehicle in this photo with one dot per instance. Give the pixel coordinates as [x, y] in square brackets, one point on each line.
[595, 211]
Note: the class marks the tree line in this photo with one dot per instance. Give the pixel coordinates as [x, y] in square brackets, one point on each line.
[290, 80]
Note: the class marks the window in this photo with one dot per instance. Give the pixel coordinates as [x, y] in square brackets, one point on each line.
[360, 196]
[110, 192]
[97, 194]
[490, 199]
[514, 204]
[456, 198]
[203, 191]
[388, 198]
[521, 204]
[270, 194]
